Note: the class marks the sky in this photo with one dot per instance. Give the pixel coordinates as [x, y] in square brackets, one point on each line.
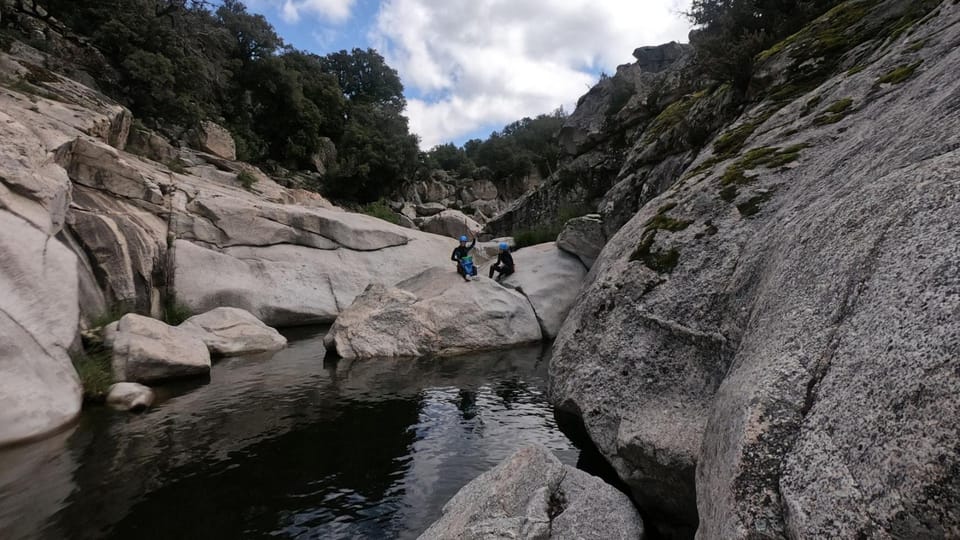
[469, 67]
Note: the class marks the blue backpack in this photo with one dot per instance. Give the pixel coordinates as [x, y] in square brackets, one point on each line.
[467, 264]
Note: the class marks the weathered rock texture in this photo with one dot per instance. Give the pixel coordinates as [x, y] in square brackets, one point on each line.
[39, 390]
[232, 331]
[550, 279]
[146, 350]
[451, 223]
[435, 312]
[770, 348]
[214, 139]
[532, 495]
[583, 237]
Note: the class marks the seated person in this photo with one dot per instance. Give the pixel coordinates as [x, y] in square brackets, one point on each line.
[504, 264]
[461, 251]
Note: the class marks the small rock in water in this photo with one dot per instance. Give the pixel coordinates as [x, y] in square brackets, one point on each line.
[130, 397]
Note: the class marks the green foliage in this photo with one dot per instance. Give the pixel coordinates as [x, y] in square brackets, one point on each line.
[731, 142]
[180, 62]
[381, 210]
[175, 313]
[834, 113]
[732, 34]
[247, 179]
[111, 314]
[662, 221]
[899, 74]
[95, 372]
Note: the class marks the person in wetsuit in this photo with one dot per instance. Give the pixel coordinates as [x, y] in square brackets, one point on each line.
[460, 252]
[504, 264]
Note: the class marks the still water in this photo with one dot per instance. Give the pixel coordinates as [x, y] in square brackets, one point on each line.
[286, 446]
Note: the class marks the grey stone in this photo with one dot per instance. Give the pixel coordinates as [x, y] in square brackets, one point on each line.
[532, 495]
[228, 331]
[130, 396]
[451, 223]
[583, 237]
[214, 139]
[550, 279]
[435, 312]
[146, 350]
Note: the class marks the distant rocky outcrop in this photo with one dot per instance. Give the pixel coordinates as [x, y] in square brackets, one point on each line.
[532, 495]
[769, 347]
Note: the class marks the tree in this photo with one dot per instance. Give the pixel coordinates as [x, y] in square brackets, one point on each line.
[365, 77]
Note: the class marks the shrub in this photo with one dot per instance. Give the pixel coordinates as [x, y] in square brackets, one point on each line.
[381, 210]
[247, 179]
[95, 372]
[175, 313]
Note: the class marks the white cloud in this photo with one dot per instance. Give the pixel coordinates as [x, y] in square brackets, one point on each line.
[482, 62]
[292, 11]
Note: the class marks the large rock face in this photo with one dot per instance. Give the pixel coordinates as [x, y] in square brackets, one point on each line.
[146, 350]
[550, 279]
[436, 312]
[769, 349]
[39, 390]
[532, 495]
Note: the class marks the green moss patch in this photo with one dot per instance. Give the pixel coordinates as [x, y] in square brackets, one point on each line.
[752, 206]
[837, 111]
[770, 157]
[899, 74]
[661, 261]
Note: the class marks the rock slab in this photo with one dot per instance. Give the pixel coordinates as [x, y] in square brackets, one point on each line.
[146, 350]
[532, 495]
[550, 279]
[230, 331]
[433, 313]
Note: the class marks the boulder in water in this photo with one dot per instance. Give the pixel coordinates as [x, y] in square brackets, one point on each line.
[129, 396]
[146, 350]
[435, 312]
[228, 331]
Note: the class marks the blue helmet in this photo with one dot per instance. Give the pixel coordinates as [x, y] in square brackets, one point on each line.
[463, 238]
[504, 246]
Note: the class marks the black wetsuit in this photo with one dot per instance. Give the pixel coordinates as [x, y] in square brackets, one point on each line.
[460, 252]
[504, 265]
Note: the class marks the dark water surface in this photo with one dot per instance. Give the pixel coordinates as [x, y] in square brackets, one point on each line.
[284, 447]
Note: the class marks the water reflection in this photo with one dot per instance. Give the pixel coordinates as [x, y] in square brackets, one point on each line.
[288, 447]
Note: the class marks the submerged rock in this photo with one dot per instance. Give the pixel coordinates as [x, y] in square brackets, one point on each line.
[532, 495]
[146, 350]
[550, 279]
[230, 331]
[435, 312]
[129, 396]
